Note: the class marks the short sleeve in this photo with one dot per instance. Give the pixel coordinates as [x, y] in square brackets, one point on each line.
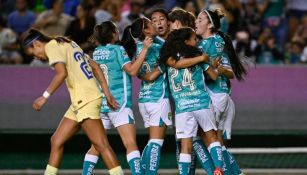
[122, 56]
[54, 54]
[225, 61]
[205, 66]
[162, 68]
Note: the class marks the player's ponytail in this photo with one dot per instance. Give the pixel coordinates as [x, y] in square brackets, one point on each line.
[132, 34]
[235, 61]
[103, 32]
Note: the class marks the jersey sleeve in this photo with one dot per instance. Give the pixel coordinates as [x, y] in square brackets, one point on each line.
[225, 61]
[162, 68]
[122, 56]
[205, 66]
[54, 53]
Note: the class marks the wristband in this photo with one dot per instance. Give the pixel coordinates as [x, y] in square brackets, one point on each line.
[46, 94]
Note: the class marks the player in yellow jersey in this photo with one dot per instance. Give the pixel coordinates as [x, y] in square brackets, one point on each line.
[73, 65]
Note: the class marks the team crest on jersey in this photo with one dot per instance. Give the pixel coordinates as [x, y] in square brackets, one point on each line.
[124, 53]
[169, 115]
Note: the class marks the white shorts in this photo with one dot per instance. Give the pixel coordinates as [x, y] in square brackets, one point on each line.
[220, 102]
[156, 114]
[117, 119]
[229, 118]
[187, 123]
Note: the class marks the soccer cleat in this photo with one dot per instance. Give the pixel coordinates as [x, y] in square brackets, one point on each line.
[218, 171]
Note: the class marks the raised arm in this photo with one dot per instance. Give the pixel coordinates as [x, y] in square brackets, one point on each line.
[151, 76]
[58, 79]
[186, 62]
[133, 68]
[212, 72]
[103, 83]
[226, 71]
[223, 69]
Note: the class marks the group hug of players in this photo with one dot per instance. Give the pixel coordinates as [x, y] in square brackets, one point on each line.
[180, 59]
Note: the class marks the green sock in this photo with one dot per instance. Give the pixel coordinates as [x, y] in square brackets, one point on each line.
[184, 164]
[134, 161]
[233, 165]
[203, 155]
[154, 153]
[193, 163]
[144, 157]
[89, 164]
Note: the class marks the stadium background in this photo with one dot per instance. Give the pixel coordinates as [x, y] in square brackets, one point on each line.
[271, 106]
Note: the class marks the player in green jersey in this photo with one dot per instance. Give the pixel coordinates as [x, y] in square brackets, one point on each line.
[219, 46]
[192, 101]
[118, 69]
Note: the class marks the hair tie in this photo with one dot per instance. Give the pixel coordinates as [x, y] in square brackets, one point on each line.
[135, 39]
[209, 17]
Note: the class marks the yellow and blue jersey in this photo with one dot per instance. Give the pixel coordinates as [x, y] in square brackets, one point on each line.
[112, 58]
[80, 81]
[158, 89]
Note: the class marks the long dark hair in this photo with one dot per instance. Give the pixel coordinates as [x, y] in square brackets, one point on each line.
[103, 32]
[133, 33]
[238, 68]
[35, 35]
[176, 47]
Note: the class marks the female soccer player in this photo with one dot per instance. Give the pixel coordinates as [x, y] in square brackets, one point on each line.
[153, 100]
[192, 101]
[180, 18]
[70, 63]
[218, 45]
[118, 69]
[159, 18]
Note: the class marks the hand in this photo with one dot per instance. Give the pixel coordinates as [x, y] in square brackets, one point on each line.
[216, 62]
[39, 103]
[205, 58]
[147, 42]
[112, 103]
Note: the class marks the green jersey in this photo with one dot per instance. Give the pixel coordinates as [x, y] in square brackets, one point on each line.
[213, 46]
[159, 40]
[188, 88]
[112, 59]
[158, 89]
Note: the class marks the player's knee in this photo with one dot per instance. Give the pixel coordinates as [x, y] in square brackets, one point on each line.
[56, 142]
[130, 144]
[211, 136]
[101, 146]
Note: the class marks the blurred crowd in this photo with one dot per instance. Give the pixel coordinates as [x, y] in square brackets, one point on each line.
[267, 31]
